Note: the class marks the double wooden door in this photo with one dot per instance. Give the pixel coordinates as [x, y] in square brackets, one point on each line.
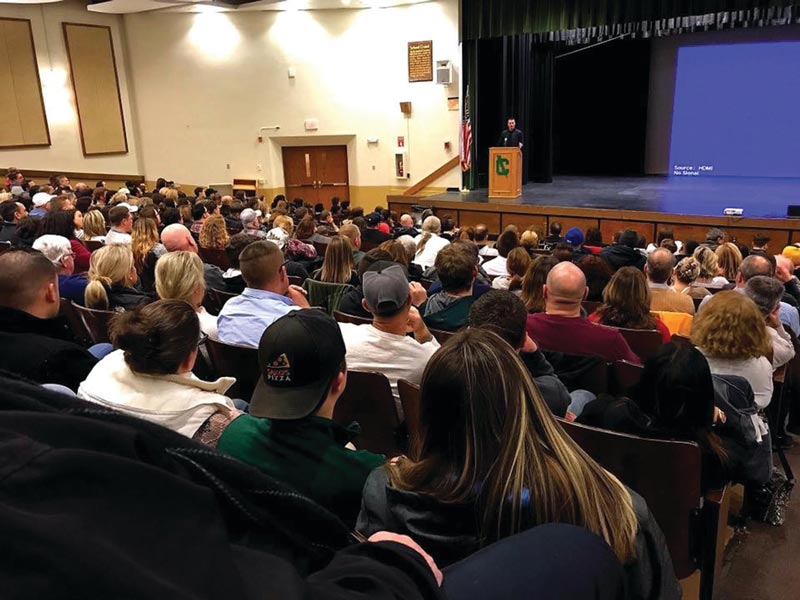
[316, 173]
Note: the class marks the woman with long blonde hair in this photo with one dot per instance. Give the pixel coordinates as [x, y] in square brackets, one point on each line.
[179, 276]
[214, 233]
[337, 267]
[429, 242]
[147, 248]
[709, 268]
[490, 461]
[94, 226]
[729, 257]
[112, 275]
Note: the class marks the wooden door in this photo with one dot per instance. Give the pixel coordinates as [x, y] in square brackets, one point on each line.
[316, 173]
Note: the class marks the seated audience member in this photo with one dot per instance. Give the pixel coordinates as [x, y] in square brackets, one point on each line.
[251, 223]
[40, 201]
[214, 233]
[234, 284]
[11, 212]
[766, 292]
[761, 242]
[383, 345]
[429, 242]
[658, 269]
[94, 226]
[58, 251]
[326, 225]
[402, 251]
[485, 249]
[662, 235]
[729, 257]
[530, 241]
[300, 248]
[785, 273]
[282, 229]
[563, 252]
[562, 329]
[147, 249]
[594, 240]
[232, 214]
[575, 238]
[554, 236]
[482, 283]
[35, 343]
[517, 264]
[372, 234]
[176, 238]
[112, 277]
[626, 303]
[199, 216]
[685, 274]
[337, 266]
[532, 294]
[121, 221]
[62, 223]
[508, 466]
[179, 276]
[149, 375]
[597, 272]
[289, 432]
[505, 314]
[496, 267]
[714, 238]
[448, 309]
[353, 233]
[267, 296]
[352, 302]
[731, 333]
[624, 253]
[709, 268]
[406, 227]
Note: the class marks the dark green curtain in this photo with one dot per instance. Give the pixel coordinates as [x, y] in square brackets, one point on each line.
[581, 21]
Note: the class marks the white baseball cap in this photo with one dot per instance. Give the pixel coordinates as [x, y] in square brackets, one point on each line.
[41, 198]
[131, 207]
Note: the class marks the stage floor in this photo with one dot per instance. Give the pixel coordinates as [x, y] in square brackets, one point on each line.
[707, 196]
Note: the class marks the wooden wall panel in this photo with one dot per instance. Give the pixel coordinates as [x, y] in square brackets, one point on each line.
[745, 236]
[568, 223]
[609, 228]
[93, 70]
[23, 121]
[468, 218]
[539, 222]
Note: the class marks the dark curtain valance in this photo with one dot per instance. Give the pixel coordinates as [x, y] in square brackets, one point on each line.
[582, 21]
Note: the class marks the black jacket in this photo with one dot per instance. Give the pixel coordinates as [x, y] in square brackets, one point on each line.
[554, 392]
[449, 532]
[120, 297]
[619, 256]
[89, 496]
[42, 350]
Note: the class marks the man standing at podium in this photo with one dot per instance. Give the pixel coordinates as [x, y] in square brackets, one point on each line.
[511, 136]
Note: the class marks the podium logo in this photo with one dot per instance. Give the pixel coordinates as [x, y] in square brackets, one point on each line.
[501, 166]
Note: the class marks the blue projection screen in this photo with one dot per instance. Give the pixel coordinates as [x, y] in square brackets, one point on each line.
[736, 111]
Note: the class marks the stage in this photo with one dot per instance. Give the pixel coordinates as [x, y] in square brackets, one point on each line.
[689, 205]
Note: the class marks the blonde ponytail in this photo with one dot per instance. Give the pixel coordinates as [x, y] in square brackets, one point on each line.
[110, 265]
[430, 226]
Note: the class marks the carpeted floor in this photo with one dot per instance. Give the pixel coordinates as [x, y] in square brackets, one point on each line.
[763, 563]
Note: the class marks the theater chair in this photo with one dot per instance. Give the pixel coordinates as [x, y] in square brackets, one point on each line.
[92, 245]
[368, 400]
[76, 326]
[409, 398]
[645, 343]
[95, 322]
[215, 256]
[667, 474]
[624, 376]
[677, 322]
[321, 248]
[235, 361]
[327, 296]
[355, 320]
[441, 336]
[216, 299]
[579, 371]
[295, 280]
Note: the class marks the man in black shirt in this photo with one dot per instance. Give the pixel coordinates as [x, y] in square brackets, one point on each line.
[511, 136]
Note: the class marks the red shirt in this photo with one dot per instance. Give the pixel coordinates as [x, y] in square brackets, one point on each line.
[82, 256]
[576, 335]
[666, 336]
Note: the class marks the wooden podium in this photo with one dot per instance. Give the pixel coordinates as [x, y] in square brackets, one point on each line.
[505, 172]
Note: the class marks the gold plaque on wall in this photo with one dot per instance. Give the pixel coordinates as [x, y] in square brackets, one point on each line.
[93, 69]
[420, 61]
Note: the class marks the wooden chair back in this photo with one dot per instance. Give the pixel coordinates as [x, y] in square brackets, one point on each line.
[624, 377]
[442, 336]
[235, 361]
[665, 473]
[409, 399]
[215, 256]
[295, 280]
[367, 245]
[76, 326]
[92, 245]
[645, 343]
[95, 322]
[580, 372]
[345, 318]
[321, 248]
[426, 283]
[681, 340]
[368, 400]
[218, 299]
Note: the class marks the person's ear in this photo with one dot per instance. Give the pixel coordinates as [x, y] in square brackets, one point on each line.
[52, 293]
[365, 306]
[339, 383]
[585, 293]
[544, 291]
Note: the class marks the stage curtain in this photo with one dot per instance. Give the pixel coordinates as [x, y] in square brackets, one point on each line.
[581, 21]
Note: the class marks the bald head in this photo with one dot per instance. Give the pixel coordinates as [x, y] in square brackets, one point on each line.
[659, 265]
[177, 238]
[406, 220]
[753, 266]
[565, 290]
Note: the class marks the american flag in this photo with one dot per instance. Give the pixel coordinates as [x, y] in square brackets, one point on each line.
[466, 136]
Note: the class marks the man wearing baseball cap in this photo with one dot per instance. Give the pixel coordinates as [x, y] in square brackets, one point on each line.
[383, 345]
[251, 222]
[40, 201]
[289, 433]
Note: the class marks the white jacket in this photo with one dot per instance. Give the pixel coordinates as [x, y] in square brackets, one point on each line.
[179, 402]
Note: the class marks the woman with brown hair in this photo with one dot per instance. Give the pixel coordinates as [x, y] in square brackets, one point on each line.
[533, 283]
[147, 249]
[626, 303]
[490, 461]
[729, 257]
[214, 233]
[337, 267]
[517, 265]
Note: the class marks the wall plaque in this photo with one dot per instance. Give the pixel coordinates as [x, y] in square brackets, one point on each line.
[420, 61]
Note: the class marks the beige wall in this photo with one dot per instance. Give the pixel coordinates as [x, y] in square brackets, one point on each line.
[205, 83]
[65, 153]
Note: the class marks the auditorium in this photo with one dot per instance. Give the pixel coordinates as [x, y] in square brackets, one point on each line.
[399, 299]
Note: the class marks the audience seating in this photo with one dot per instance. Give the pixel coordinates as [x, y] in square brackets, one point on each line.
[409, 398]
[218, 299]
[697, 302]
[426, 283]
[321, 248]
[92, 245]
[624, 376]
[580, 372]
[441, 336]
[345, 318]
[590, 306]
[95, 322]
[645, 343]
[326, 295]
[5, 247]
[368, 400]
[235, 361]
[216, 257]
[667, 474]
[367, 245]
[295, 280]
[681, 339]
[676, 322]
[66, 311]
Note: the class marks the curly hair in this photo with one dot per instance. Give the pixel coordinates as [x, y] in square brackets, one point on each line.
[214, 233]
[731, 326]
[687, 270]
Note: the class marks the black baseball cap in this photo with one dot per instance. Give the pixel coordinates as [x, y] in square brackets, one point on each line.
[298, 356]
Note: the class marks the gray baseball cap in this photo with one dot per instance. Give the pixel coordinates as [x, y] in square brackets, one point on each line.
[385, 288]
